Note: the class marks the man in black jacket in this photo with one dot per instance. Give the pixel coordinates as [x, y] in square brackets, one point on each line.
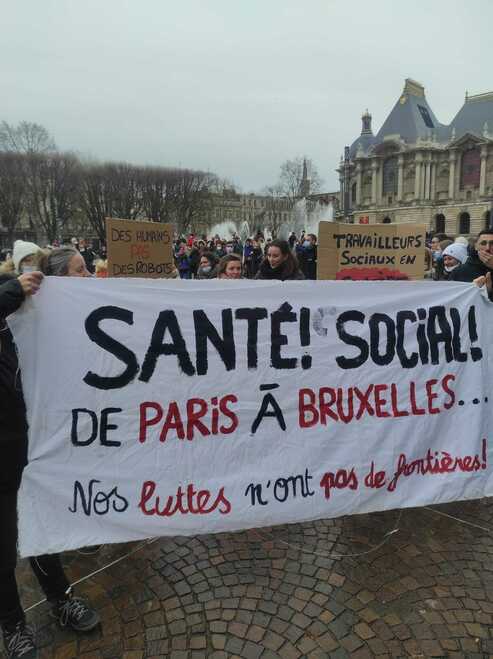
[71, 611]
[480, 260]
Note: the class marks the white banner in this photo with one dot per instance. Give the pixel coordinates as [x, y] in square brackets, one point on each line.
[174, 408]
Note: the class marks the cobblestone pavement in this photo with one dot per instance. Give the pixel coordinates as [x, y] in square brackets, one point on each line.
[427, 591]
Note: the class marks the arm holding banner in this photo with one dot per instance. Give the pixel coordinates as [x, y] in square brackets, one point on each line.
[14, 290]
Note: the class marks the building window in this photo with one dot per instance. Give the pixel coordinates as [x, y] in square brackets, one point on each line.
[386, 220]
[464, 223]
[426, 116]
[487, 216]
[353, 193]
[390, 176]
[440, 223]
[470, 168]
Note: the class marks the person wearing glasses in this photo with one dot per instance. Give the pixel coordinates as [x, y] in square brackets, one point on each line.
[479, 265]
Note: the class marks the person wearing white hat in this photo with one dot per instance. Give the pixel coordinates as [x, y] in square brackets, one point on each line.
[24, 256]
[453, 256]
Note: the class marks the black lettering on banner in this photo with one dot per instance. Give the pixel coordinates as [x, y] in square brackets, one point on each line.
[476, 352]
[111, 345]
[252, 316]
[74, 435]
[375, 320]
[98, 503]
[283, 315]
[423, 346]
[275, 411]
[306, 360]
[166, 322]
[205, 331]
[255, 492]
[352, 340]
[407, 361]
[95, 425]
[105, 426]
[459, 356]
[443, 335]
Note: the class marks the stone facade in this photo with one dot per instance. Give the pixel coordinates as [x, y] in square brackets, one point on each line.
[422, 171]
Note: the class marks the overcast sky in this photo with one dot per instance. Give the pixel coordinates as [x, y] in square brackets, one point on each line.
[234, 86]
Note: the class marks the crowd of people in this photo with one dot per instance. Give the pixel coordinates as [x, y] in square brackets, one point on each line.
[450, 258]
[203, 258]
[22, 273]
[25, 255]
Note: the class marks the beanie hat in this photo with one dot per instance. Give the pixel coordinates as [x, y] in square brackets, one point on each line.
[456, 251]
[21, 250]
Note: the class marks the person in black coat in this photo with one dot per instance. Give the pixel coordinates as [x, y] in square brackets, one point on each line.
[307, 256]
[480, 260]
[18, 636]
[279, 263]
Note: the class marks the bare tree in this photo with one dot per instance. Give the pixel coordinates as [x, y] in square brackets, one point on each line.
[160, 190]
[95, 197]
[194, 198]
[53, 190]
[290, 183]
[13, 191]
[27, 138]
[124, 186]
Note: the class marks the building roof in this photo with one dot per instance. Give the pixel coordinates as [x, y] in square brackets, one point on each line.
[363, 142]
[473, 115]
[412, 119]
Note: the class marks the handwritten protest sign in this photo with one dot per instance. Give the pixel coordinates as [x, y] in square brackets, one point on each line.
[184, 408]
[371, 252]
[139, 249]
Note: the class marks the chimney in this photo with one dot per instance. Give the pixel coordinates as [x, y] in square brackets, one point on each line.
[366, 123]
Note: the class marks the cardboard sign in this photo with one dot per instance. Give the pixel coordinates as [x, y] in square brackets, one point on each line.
[371, 252]
[139, 249]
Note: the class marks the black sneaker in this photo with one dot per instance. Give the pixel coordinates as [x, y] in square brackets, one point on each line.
[75, 613]
[19, 642]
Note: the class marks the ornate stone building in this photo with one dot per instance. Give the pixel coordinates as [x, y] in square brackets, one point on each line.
[416, 169]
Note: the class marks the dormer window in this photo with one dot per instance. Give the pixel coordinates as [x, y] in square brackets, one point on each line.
[426, 116]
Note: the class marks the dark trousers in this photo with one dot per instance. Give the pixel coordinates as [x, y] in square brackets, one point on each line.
[48, 569]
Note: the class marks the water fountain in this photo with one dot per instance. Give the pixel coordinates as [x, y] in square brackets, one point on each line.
[321, 213]
[225, 229]
[244, 231]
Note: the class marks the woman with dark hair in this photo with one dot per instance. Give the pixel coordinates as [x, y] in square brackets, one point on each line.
[229, 267]
[279, 263]
[207, 266]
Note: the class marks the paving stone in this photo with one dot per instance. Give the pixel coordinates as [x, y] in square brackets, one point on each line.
[364, 631]
[240, 595]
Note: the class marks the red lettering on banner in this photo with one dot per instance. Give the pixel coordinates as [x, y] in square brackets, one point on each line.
[199, 417]
[438, 463]
[184, 501]
[383, 400]
[340, 480]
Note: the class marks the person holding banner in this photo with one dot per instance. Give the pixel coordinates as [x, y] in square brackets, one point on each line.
[229, 267]
[69, 610]
[63, 262]
[279, 263]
